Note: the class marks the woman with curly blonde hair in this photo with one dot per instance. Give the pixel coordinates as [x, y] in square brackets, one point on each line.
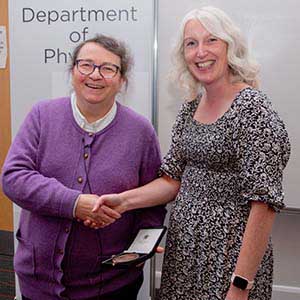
[224, 168]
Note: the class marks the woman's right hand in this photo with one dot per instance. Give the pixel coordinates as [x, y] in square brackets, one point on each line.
[94, 218]
[104, 206]
[114, 201]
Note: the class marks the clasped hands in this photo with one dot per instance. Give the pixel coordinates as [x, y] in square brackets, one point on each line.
[99, 211]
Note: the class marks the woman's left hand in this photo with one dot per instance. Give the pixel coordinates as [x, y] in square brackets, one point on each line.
[235, 293]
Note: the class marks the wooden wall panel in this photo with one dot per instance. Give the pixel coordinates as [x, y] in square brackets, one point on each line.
[6, 208]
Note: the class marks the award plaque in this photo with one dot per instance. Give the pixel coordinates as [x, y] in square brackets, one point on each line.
[142, 248]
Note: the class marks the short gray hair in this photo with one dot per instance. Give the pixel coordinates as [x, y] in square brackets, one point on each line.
[242, 66]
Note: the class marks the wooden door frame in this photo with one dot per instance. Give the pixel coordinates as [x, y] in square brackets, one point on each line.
[6, 207]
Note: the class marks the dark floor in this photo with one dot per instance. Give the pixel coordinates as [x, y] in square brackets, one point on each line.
[7, 275]
[7, 278]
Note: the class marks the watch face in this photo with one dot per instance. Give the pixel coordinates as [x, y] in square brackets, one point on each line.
[240, 283]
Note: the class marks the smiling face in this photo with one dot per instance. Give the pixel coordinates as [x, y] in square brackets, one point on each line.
[93, 92]
[205, 54]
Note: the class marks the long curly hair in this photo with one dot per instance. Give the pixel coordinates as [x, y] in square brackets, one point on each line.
[242, 66]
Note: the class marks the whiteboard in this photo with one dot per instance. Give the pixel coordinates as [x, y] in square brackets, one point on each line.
[272, 29]
[42, 36]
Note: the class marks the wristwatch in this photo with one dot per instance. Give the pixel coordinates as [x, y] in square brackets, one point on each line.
[241, 282]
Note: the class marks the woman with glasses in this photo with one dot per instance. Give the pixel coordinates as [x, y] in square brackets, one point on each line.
[67, 152]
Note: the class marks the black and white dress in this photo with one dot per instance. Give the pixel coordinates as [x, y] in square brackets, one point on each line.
[222, 167]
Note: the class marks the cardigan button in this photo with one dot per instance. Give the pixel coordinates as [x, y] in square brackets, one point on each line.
[86, 155]
[91, 134]
[80, 179]
[60, 251]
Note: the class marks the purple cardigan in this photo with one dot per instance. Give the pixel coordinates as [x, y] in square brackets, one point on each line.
[51, 161]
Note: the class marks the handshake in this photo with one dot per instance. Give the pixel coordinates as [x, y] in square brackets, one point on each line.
[99, 211]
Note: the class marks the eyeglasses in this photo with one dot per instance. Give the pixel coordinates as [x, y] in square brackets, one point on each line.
[106, 70]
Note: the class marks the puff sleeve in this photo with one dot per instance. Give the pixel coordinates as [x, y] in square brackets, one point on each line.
[264, 151]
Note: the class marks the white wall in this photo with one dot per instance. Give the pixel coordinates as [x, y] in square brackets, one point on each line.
[286, 256]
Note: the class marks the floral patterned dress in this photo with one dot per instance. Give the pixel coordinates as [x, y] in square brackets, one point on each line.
[222, 167]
